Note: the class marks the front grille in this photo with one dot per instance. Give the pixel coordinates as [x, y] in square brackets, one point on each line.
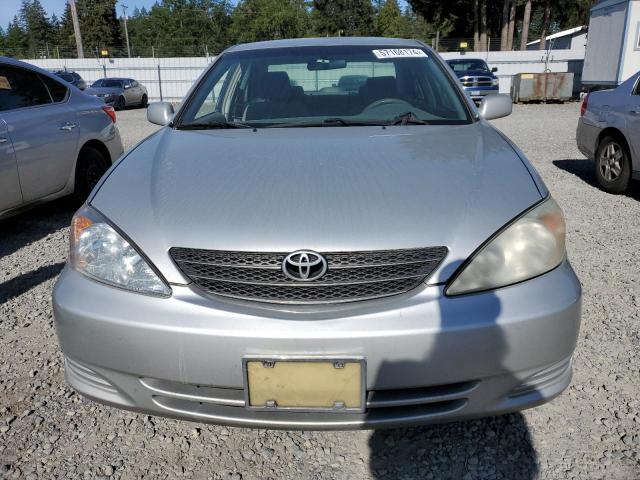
[477, 81]
[350, 276]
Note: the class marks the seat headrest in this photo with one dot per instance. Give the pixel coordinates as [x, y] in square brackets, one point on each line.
[275, 86]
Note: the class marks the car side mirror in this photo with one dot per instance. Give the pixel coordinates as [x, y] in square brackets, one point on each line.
[494, 69]
[160, 113]
[127, 86]
[495, 106]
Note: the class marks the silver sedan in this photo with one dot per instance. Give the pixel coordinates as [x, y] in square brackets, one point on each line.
[609, 133]
[289, 253]
[54, 139]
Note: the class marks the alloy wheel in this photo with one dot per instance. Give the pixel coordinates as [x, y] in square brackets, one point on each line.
[611, 161]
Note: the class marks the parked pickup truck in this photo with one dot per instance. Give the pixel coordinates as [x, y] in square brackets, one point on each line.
[476, 77]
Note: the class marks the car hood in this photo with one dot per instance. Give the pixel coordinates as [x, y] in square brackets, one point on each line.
[474, 73]
[325, 189]
[103, 90]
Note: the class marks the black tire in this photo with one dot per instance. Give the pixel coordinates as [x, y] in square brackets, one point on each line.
[120, 103]
[145, 101]
[89, 170]
[613, 165]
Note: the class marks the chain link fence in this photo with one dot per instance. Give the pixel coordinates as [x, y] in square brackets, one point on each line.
[60, 51]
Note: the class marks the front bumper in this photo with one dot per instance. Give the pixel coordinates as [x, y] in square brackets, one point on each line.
[429, 358]
[478, 93]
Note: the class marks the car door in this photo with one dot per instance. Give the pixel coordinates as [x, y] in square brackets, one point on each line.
[43, 129]
[137, 88]
[129, 92]
[10, 194]
[633, 125]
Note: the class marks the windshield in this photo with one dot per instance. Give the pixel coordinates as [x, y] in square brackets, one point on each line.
[464, 65]
[333, 86]
[108, 83]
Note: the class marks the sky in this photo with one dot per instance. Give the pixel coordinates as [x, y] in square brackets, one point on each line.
[9, 8]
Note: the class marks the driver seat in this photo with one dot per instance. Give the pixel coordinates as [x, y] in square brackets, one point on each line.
[377, 88]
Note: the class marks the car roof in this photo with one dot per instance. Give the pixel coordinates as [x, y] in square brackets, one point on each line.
[329, 42]
[120, 79]
[466, 60]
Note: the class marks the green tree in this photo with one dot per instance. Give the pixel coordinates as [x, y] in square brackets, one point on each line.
[343, 17]
[16, 41]
[391, 22]
[254, 20]
[64, 38]
[99, 25]
[36, 25]
[181, 27]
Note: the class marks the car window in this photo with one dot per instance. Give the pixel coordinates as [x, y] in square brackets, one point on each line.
[464, 65]
[637, 90]
[111, 83]
[21, 88]
[306, 85]
[57, 90]
[66, 76]
[97, 84]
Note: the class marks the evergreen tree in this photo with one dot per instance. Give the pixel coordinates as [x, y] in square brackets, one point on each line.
[16, 41]
[64, 37]
[99, 25]
[391, 22]
[343, 17]
[254, 20]
[36, 25]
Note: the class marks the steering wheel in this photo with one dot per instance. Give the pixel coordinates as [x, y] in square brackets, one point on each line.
[383, 102]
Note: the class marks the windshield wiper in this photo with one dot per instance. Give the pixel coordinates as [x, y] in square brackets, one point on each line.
[408, 118]
[211, 125]
[331, 122]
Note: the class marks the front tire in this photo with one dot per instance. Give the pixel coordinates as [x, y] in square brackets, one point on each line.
[91, 165]
[145, 101]
[119, 104]
[613, 165]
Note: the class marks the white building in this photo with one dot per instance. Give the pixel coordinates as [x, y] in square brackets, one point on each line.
[572, 39]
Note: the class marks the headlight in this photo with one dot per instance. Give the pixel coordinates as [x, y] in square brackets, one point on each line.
[531, 245]
[100, 252]
[495, 82]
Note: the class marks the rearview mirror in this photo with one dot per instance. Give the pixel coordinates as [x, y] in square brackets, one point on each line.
[160, 113]
[494, 69]
[324, 64]
[495, 106]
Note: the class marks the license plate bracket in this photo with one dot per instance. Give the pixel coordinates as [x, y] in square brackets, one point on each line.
[305, 384]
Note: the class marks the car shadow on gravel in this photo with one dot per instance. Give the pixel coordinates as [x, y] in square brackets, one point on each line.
[583, 169]
[22, 283]
[35, 224]
[493, 447]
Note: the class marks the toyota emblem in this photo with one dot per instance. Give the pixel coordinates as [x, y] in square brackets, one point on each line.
[304, 266]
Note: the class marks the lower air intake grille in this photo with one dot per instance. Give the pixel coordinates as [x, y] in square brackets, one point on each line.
[350, 276]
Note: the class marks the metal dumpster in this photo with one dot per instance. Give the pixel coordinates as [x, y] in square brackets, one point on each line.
[530, 87]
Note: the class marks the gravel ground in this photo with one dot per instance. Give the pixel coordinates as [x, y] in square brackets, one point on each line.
[591, 431]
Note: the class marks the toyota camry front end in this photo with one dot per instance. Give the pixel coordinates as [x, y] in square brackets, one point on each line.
[326, 235]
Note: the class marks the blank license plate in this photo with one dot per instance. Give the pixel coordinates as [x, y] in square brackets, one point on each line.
[305, 385]
[474, 93]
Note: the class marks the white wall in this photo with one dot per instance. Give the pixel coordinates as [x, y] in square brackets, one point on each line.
[178, 74]
[527, 61]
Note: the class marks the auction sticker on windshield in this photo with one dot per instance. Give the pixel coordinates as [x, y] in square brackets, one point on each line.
[399, 53]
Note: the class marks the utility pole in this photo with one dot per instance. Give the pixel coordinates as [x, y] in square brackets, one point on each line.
[76, 28]
[126, 31]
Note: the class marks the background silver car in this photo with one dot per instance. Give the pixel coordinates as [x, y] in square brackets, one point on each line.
[609, 133]
[54, 139]
[120, 92]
